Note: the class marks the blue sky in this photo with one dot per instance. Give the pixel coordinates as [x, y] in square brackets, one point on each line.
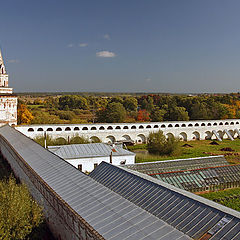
[122, 46]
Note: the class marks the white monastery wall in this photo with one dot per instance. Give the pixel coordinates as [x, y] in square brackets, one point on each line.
[138, 132]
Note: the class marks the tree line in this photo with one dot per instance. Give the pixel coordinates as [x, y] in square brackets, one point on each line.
[151, 107]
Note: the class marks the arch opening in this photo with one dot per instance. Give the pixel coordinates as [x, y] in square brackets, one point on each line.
[141, 139]
[110, 139]
[183, 136]
[196, 135]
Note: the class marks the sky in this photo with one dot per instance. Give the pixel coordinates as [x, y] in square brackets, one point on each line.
[121, 46]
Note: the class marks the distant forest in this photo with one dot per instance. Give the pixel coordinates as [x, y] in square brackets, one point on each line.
[50, 108]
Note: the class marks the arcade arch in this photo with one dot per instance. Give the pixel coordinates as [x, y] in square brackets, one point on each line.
[169, 135]
[126, 137]
[141, 138]
[183, 136]
[95, 139]
[208, 135]
[196, 135]
[110, 139]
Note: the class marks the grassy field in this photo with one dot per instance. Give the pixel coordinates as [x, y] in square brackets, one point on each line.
[229, 198]
[199, 149]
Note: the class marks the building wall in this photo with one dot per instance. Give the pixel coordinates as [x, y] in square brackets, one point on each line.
[88, 163]
[62, 220]
[8, 110]
[138, 132]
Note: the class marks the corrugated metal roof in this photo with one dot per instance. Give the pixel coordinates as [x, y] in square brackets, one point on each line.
[189, 213]
[107, 212]
[202, 179]
[88, 150]
[178, 164]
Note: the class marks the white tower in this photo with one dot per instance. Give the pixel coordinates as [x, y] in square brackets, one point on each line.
[8, 102]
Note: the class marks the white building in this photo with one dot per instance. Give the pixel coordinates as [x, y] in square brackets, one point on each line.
[86, 157]
[8, 102]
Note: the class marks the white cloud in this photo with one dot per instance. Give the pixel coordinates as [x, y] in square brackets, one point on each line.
[13, 61]
[106, 54]
[82, 44]
[70, 45]
[106, 36]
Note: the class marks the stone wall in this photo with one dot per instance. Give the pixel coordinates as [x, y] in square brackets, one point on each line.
[137, 132]
[61, 218]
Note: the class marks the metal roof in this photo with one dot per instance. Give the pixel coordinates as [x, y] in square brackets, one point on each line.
[178, 164]
[189, 213]
[88, 150]
[110, 214]
[197, 180]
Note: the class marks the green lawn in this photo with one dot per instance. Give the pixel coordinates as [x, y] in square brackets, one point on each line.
[198, 149]
[229, 198]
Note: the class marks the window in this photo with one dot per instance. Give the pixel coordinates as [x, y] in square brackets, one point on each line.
[80, 167]
[95, 165]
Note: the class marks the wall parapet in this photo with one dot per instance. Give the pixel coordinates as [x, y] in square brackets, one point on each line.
[138, 132]
[73, 225]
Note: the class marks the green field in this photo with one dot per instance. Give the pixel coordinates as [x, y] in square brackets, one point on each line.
[199, 149]
[229, 198]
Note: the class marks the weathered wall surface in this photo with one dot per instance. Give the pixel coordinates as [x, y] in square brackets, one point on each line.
[138, 132]
[62, 220]
[88, 163]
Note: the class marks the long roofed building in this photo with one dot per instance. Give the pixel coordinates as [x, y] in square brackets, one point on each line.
[193, 215]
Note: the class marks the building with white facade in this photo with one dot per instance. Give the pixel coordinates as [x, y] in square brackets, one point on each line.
[8, 102]
[86, 157]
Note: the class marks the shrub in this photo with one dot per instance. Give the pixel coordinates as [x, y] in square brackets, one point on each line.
[79, 140]
[19, 213]
[159, 144]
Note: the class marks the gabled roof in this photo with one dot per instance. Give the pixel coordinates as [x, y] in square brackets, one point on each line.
[185, 211]
[178, 164]
[73, 151]
[198, 180]
[108, 213]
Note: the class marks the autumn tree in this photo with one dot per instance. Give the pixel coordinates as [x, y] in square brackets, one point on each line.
[113, 113]
[73, 102]
[175, 113]
[143, 116]
[24, 116]
[130, 104]
[157, 114]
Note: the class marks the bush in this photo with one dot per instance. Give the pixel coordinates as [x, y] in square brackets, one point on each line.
[66, 115]
[159, 144]
[79, 140]
[19, 213]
